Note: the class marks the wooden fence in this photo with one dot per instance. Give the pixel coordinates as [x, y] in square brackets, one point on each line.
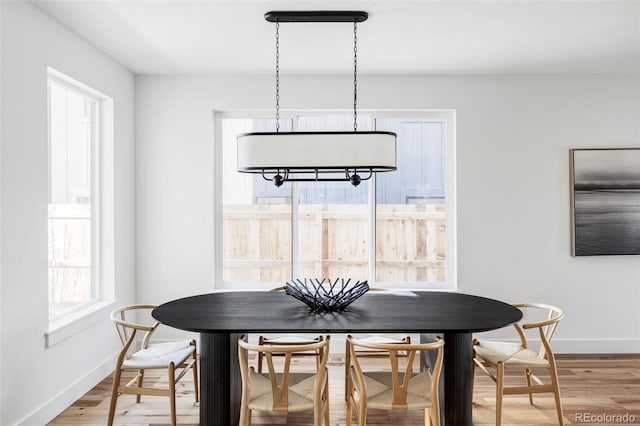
[334, 242]
[69, 227]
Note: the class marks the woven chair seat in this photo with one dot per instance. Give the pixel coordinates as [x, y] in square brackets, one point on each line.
[379, 386]
[509, 354]
[160, 355]
[289, 340]
[300, 395]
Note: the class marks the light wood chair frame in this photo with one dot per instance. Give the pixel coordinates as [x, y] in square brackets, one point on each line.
[546, 329]
[127, 331]
[267, 340]
[369, 353]
[395, 351]
[280, 388]
[373, 353]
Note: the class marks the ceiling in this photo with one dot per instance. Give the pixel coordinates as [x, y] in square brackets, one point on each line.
[400, 37]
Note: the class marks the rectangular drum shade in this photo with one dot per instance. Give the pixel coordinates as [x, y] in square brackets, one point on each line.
[316, 150]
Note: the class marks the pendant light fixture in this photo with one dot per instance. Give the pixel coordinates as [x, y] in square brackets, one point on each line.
[313, 156]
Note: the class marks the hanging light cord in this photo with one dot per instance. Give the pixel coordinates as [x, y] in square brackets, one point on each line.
[277, 76]
[355, 76]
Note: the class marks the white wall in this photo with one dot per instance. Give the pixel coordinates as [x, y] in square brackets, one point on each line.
[38, 382]
[513, 139]
[1, 128]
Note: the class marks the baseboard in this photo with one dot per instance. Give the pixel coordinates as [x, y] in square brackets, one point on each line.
[49, 410]
[596, 346]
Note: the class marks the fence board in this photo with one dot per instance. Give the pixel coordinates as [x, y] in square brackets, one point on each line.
[334, 242]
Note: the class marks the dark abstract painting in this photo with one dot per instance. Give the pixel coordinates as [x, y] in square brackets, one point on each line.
[605, 201]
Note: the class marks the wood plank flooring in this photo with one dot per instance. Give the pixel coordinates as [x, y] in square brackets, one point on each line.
[591, 386]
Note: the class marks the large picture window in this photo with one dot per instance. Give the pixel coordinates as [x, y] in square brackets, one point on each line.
[395, 230]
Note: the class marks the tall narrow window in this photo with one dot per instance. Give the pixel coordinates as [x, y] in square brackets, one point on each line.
[73, 222]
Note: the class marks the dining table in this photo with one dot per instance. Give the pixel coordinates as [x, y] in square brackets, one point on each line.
[222, 317]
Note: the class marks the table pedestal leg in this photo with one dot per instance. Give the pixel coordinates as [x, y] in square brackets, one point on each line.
[220, 381]
[458, 380]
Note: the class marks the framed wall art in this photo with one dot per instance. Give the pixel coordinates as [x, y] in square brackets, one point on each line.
[605, 201]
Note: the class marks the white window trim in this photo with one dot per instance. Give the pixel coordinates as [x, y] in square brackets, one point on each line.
[449, 116]
[75, 320]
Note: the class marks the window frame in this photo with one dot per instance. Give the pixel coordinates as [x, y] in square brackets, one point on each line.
[449, 118]
[71, 321]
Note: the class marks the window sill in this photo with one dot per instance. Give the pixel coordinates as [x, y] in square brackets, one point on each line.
[70, 325]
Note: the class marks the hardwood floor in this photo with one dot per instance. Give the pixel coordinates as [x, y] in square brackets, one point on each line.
[592, 386]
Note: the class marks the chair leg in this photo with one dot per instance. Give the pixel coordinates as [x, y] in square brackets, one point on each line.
[327, 412]
[349, 413]
[347, 370]
[499, 391]
[473, 377]
[196, 385]
[245, 416]
[318, 414]
[556, 393]
[321, 407]
[527, 376]
[362, 416]
[114, 396]
[435, 413]
[327, 415]
[140, 380]
[260, 354]
[318, 356]
[172, 393]
[427, 417]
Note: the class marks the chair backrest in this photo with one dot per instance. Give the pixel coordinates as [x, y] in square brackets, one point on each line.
[124, 318]
[400, 379]
[544, 318]
[280, 379]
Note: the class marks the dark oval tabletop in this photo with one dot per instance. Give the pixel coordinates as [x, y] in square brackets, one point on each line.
[374, 312]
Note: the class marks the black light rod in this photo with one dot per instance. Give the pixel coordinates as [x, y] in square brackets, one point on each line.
[317, 16]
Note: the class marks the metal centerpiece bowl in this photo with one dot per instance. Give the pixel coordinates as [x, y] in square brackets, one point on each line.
[325, 295]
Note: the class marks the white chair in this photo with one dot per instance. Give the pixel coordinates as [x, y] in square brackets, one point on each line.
[170, 356]
[393, 389]
[284, 390]
[503, 356]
